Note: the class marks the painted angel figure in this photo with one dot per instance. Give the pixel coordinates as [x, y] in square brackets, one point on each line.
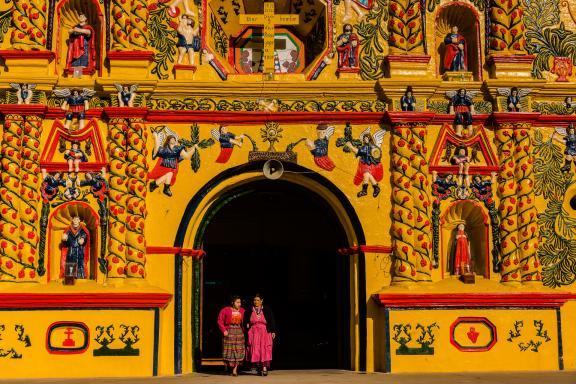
[462, 108]
[72, 183]
[569, 139]
[24, 92]
[513, 97]
[227, 142]
[126, 94]
[76, 104]
[319, 147]
[169, 153]
[369, 155]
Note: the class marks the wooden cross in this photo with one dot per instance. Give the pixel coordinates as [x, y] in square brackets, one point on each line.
[269, 20]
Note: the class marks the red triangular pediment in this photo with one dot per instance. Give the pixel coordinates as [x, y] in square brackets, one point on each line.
[52, 160]
[479, 139]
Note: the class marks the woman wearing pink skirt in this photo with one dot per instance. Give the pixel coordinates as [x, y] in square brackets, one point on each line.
[261, 331]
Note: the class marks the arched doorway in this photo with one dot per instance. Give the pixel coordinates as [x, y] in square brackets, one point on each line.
[280, 239]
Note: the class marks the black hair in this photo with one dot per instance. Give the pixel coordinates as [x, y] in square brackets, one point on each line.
[233, 298]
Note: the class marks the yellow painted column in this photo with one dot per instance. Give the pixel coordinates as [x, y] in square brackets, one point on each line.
[530, 268]
[115, 259]
[405, 265]
[29, 22]
[136, 173]
[421, 201]
[120, 24]
[138, 22]
[30, 196]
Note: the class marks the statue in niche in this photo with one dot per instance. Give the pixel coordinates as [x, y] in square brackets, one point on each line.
[347, 47]
[455, 56]
[513, 97]
[169, 153]
[462, 108]
[354, 5]
[461, 257]
[319, 147]
[462, 160]
[126, 94]
[81, 47]
[227, 142]
[408, 101]
[51, 185]
[75, 104]
[24, 92]
[369, 153]
[569, 139]
[75, 251]
[188, 39]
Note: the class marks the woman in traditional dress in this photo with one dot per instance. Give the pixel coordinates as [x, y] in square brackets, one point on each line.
[261, 331]
[230, 322]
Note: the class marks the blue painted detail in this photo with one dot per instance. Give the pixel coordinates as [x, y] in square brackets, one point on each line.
[560, 347]
[181, 233]
[156, 340]
[388, 357]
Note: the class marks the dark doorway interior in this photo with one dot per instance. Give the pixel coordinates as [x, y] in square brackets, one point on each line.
[280, 239]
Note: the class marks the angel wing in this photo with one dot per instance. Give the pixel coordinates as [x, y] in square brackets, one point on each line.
[379, 137]
[163, 133]
[215, 134]
[32, 86]
[524, 91]
[133, 88]
[64, 92]
[118, 86]
[329, 131]
[16, 86]
[504, 91]
[561, 131]
[471, 94]
[364, 133]
[451, 94]
[87, 92]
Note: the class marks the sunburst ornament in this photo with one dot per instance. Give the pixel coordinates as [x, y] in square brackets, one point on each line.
[271, 133]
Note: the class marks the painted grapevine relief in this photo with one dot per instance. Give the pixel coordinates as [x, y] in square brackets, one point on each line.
[12, 340]
[422, 335]
[528, 339]
[125, 336]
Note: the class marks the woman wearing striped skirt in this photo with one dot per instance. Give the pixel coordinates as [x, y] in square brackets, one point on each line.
[232, 327]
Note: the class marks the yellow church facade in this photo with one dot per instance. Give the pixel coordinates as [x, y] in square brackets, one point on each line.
[396, 178]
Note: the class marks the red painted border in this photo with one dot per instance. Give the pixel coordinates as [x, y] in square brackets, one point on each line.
[23, 109]
[521, 59]
[84, 300]
[473, 320]
[473, 300]
[125, 112]
[365, 249]
[131, 55]
[27, 55]
[159, 250]
[64, 351]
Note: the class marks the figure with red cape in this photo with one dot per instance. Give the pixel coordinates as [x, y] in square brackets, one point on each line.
[319, 147]
[347, 47]
[455, 56]
[227, 142]
[75, 250]
[461, 261]
[230, 322]
[369, 154]
[169, 154]
[81, 47]
[261, 332]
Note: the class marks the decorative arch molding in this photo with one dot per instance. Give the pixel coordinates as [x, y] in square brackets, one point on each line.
[196, 217]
